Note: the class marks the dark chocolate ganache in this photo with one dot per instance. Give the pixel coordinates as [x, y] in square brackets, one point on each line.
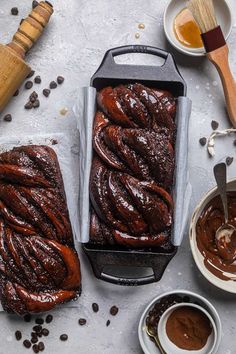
[219, 255]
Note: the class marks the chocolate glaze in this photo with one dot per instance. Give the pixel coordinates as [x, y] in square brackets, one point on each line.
[219, 256]
[133, 166]
[39, 267]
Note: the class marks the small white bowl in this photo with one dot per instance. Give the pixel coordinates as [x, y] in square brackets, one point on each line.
[224, 19]
[149, 346]
[170, 347]
[227, 285]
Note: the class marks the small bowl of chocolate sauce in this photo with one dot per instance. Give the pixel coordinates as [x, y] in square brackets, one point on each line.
[187, 327]
[215, 260]
[183, 32]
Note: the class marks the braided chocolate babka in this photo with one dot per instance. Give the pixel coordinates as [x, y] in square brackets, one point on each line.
[133, 167]
[39, 267]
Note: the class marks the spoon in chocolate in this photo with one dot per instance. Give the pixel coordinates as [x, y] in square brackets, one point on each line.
[224, 234]
[154, 335]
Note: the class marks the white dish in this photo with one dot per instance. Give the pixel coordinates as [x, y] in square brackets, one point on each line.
[170, 347]
[224, 19]
[149, 347]
[227, 285]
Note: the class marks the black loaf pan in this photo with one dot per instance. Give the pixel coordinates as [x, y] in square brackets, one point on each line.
[165, 77]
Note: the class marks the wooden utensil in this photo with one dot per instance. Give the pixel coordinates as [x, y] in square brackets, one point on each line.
[13, 68]
[217, 49]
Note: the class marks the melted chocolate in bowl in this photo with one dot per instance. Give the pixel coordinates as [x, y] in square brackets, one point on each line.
[219, 256]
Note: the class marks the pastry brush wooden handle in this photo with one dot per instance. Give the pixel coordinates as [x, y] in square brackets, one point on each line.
[219, 58]
[31, 28]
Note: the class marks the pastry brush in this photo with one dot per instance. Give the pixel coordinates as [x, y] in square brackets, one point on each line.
[13, 68]
[216, 48]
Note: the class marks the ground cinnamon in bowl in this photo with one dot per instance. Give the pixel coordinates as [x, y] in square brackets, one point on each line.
[188, 328]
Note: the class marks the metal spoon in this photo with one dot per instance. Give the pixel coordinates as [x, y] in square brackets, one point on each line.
[226, 230]
[153, 335]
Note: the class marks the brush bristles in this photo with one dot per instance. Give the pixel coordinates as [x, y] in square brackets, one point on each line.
[204, 14]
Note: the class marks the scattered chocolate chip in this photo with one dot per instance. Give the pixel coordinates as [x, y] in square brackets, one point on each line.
[54, 142]
[27, 343]
[108, 323]
[63, 337]
[18, 335]
[214, 124]
[33, 96]
[60, 80]
[37, 79]
[14, 11]
[36, 104]
[34, 340]
[49, 318]
[229, 160]
[16, 93]
[28, 105]
[30, 74]
[39, 321]
[114, 310]
[27, 318]
[46, 92]
[53, 85]
[45, 332]
[34, 4]
[41, 346]
[8, 118]
[203, 141]
[82, 321]
[35, 348]
[95, 307]
[37, 328]
[28, 85]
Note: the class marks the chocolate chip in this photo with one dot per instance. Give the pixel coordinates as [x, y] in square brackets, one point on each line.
[34, 4]
[82, 321]
[229, 160]
[63, 337]
[46, 92]
[36, 104]
[41, 346]
[214, 124]
[39, 321]
[95, 307]
[27, 343]
[8, 118]
[30, 74]
[114, 310]
[33, 97]
[16, 93]
[203, 141]
[37, 79]
[35, 348]
[37, 328]
[28, 85]
[27, 318]
[18, 335]
[53, 85]
[108, 323]
[34, 340]
[49, 318]
[45, 332]
[28, 105]
[54, 142]
[60, 80]
[14, 11]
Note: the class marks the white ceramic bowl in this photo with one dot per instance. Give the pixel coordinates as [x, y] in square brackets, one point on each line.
[224, 19]
[227, 285]
[149, 347]
[170, 347]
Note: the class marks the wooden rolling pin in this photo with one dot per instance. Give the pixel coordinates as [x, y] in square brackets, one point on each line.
[13, 68]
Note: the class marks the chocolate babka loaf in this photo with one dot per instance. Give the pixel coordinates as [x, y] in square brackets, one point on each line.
[39, 267]
[133, 167]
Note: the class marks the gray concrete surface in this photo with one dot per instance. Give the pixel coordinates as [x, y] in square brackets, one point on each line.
[73, 46]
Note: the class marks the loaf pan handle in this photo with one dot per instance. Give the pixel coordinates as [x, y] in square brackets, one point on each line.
[109, 68]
